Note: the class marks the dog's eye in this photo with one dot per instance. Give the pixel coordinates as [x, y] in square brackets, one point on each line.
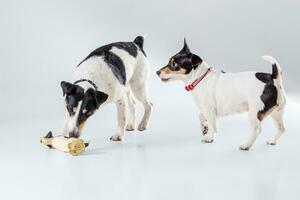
[71, 110]
[87, 112]
[175, 66]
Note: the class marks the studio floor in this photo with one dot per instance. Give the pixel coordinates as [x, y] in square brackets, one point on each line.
[168, 161]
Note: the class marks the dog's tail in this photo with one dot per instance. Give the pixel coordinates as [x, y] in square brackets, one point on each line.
[277, 76]
[276, 69]
[139, 41]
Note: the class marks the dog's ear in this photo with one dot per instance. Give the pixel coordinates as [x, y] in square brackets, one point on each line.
[67, 88]
[195, 60]
[185, 48]
[100, 97]
[49, 135]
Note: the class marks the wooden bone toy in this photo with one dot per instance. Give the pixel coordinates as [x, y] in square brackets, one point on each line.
[73, 146]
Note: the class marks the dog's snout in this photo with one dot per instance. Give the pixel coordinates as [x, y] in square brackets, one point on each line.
[74, 134]
[158, 72]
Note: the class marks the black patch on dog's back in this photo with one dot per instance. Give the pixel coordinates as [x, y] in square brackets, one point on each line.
[115, 62]
[264, 77]
[117, 66]
[129, 47]
[269, 95]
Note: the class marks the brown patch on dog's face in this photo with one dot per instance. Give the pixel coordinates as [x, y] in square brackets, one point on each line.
[179, 65]
[166, 70]
[169, 70]
[81, 126]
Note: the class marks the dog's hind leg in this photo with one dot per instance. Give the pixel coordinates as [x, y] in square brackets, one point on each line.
[255, 124]
[131, 112]
[121, 109]
[277, 117]
[140, 91]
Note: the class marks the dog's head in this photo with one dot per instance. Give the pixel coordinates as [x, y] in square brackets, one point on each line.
[80, 105]
[180, 65]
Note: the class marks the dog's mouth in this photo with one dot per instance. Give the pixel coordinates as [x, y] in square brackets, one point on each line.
[165, 79]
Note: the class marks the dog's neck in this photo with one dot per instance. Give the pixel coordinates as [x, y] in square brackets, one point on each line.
[85, 85]
[196, 73]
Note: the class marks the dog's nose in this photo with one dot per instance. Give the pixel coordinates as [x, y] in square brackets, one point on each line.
[74, 134]
[158, 73]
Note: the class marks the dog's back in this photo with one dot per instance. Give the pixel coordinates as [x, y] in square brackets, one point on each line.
[117, 60]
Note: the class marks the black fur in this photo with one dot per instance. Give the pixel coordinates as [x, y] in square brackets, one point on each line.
[114, 62]
[74, 94]
[139, 41]
[184, 59]
[49, 135]
[91, 102]
[117, 66]
[274, 71]
[269, 95]
[101, 51]
[264, 77]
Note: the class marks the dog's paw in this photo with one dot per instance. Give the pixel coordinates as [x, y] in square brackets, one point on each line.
[208, 139]
[271, 142]
[116, 137]
[142, 127]
[244, 147]
[130, 127]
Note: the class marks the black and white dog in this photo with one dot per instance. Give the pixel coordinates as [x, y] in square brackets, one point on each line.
[217, 93]
[113, 73]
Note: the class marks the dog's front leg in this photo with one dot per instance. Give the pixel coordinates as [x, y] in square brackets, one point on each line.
[208, 122]
[121, 109]
[204, 126]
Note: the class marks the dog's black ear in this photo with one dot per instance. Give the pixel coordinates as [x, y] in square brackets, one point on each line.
[49, 135]
[100, 97]
[67, 88]
[185, 48]
[195, 60]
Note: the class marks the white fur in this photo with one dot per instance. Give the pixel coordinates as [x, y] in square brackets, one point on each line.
[221, 94]
[72, 120]
[137, 71]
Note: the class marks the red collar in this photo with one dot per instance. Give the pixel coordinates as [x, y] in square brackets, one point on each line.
[197, 81]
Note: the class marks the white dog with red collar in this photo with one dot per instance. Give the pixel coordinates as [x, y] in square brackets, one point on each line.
[218, 94]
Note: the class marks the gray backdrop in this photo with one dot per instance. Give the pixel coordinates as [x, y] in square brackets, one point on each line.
[42, 41]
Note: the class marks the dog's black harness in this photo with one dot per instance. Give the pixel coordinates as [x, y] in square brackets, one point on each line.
[86, 80]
